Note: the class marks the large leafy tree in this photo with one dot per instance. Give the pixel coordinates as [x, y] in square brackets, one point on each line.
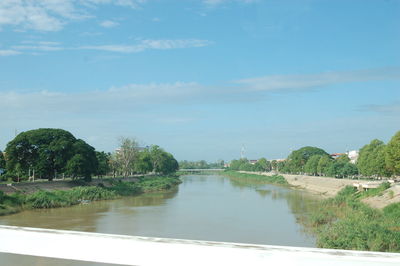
[104, 163]
[2, 161]
[143, 163]
[311, 167]
[45, 152]
[393, 154]
[323, 164]
[162, 161]
[371, 160]
[298, 158]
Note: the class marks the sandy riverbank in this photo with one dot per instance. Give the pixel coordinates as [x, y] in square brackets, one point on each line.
[329, 187]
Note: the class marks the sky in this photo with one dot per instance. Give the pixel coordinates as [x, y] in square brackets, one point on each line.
[203, 78]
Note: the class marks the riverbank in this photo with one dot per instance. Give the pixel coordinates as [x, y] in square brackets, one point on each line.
[73, 193]
[345, 221]
[329, 187]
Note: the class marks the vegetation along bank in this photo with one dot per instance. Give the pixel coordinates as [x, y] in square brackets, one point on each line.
[345, 221]
[110, 189]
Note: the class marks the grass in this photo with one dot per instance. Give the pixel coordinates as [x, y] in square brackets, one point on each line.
[344, 222]
[63, 198]
[274, 179]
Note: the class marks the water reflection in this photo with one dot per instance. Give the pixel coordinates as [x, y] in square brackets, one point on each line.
[205, 207]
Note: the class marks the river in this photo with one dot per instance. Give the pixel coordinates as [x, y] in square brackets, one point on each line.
[203, 207]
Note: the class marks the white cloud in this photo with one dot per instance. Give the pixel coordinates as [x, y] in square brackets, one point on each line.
[9, 52]
[109, 24]
[38, 46]
[150, 45]
[51, 15]
[309, 81]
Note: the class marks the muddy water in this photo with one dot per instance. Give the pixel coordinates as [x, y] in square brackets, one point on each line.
[204, 207]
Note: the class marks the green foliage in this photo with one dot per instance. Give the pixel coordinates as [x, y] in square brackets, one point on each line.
[274, 179]
[47, 151]
[323, 164]
[371, 161]
[163, 162]
[298, 158]
[392, 153]
[2, 161]
[152, 184]
[63, 198]
[343, 222]
[144, 164]
[311, 167]
[103, 160]
[341, 169]
[201, 165]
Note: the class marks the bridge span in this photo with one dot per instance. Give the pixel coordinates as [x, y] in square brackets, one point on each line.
[135, 250]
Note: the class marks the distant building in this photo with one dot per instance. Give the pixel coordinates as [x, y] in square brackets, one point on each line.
[253, 161]
[353, 156]
[336, 155]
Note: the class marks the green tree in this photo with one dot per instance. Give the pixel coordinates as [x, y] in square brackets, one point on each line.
[2, 161]
[371, 161]
[263, 165]
[143, 164]
[162, 161]
[323, 164]
[298, 158]
[45, 151]
[236, 164]
[85, 158]
[392, 157]
[104, 166]
[311, 166]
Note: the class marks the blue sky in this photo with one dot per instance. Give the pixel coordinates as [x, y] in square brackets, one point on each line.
[203, 78]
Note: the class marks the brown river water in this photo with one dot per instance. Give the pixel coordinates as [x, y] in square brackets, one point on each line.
[203, 207]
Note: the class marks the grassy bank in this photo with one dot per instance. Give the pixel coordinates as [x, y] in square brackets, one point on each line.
[344, 222]
[274, 179]
[63, 198]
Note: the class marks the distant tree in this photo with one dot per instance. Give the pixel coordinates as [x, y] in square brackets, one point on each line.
[143, 163]
[392, 157]
[371, 160]
[236, 164]
[263, 165]
[323, 164]
[274, 165]
[45, 152]
[2, 161]
[298, 158]
[126, 155]
[162, 161]
[104, 166]
[84, 162]
[311, 166]
[342, 169]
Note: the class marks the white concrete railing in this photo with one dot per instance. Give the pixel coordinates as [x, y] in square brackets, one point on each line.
[133, 250]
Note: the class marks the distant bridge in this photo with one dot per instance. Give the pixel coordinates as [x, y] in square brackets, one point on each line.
[152, 251]
[200, 170]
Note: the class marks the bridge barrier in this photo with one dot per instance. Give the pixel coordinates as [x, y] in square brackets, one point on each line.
[135, 250]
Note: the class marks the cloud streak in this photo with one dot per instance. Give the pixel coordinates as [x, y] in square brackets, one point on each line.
[149, 45]
[310, 81]
[51, 15]
[9, 52]
[140, 46]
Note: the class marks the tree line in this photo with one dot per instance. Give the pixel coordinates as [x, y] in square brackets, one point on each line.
[376, 159]
[202, 164]
[51, 153]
